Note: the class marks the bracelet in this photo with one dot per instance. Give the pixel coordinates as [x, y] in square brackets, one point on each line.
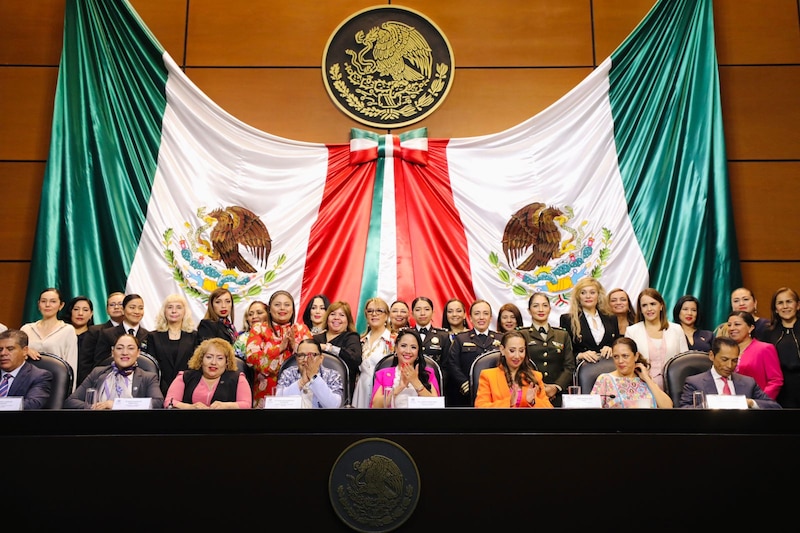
[421, 386]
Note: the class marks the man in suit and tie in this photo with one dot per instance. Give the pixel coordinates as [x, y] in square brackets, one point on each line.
[86, 353]
[466, 347]
[19, 378]
[721, 378]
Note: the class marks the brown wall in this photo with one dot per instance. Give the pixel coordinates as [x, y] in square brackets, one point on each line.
[512, 61]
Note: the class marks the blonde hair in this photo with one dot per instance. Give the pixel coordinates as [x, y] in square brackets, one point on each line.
[196, 361]
[187, 324]
[575, 303]
[378, 302]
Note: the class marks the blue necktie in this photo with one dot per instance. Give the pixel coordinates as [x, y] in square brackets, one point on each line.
[4, 385]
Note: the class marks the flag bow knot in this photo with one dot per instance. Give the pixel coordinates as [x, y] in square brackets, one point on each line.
[411, 146]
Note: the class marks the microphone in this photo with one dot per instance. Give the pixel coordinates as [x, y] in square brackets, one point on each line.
[609, 396]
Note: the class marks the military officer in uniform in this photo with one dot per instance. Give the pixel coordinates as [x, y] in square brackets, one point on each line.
[435, 341]
[466, 347]
[550, 349]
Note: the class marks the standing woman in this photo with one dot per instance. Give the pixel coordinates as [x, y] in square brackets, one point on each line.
[509, 318]
[314, 313]
[256, 312]
[132, 314]
[784, 334]
[218, 321]
[757, 359]
[173, 342]
[272, 342]
[454, 317]
[398, 316]
[376, 343]
[743, 299]
[620, 304]
[657, 339]
[341, 339]
[51, 334]
[549, 348]
[513, 382]
[80, 314]
[589, 322]
[408, 376]
[687, 313]
[435, 341]
[466, 347]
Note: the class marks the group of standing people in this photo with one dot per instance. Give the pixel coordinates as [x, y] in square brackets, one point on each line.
[272, 333]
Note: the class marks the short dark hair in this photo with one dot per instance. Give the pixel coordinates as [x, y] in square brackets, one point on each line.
[19, 337]
[719, 342]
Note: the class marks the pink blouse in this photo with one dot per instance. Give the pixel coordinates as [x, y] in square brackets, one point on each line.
[760, 361]
[203, 393]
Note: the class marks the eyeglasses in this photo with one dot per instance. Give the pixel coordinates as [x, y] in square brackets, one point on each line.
[375, 311]
[115, 304]
[301, 355]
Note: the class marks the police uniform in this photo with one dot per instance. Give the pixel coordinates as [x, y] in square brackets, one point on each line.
[436, 343]
[466, 347]
[552, 354]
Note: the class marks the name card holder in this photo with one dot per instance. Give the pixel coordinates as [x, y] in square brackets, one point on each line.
[581, 401]
[283, 402]
[726, 401]
[426, 402]
[132, 404]
[11, 403]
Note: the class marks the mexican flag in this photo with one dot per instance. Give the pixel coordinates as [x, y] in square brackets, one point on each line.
[152, 188]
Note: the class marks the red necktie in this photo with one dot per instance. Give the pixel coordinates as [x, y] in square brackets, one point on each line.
[725, 388]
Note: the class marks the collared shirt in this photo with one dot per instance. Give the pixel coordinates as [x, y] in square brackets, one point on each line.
[721, 384]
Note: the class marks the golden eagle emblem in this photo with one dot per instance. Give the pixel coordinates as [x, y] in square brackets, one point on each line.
[236, 226]
[533, 228]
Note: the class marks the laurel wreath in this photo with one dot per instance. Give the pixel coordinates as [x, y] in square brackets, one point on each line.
[355, 102]
[256, 287]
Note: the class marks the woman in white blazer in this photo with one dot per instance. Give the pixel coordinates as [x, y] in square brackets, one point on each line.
[658, 340]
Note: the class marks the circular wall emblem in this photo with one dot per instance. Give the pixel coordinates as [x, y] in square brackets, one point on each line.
[374, 485]
[387, 66]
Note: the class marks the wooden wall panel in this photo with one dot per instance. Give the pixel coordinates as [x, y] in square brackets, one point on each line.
[26, 105]
[25, 180]
[484, 101]
[614, 20]
[757, 32]
[280, 33]
[15, 287]
[765, 204]
[167, 20]
[32, 31]
[513, 33]
[761, 107]
[765, 278]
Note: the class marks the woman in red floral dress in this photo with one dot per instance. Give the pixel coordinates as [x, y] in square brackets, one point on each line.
[271, 342]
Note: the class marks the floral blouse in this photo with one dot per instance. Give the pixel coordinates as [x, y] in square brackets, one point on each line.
[622, 392]
[264, 355]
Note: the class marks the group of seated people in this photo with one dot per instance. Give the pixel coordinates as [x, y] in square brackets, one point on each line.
[198, 367]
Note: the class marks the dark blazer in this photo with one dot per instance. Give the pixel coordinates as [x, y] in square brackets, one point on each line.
[144, 385]
[436, 344]
[465, 348]
[742, 384]
[350, 352]
[33, 384]
[109, 336]
[212, 329]
[86, 348]
[586, 341]
[159, 346]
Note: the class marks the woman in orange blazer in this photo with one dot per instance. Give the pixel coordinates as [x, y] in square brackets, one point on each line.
[513, 382]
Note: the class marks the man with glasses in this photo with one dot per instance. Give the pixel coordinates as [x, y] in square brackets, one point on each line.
[86, 353]
[318, 386]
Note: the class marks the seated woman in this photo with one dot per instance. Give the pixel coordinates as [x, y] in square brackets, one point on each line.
[212, 381]
[318, 386]
[630, 382]
[121, 379]
[406, 377]
[513, 382]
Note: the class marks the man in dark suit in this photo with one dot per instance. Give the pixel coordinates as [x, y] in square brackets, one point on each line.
[18, 378]
[86, 353]
[721, 378]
